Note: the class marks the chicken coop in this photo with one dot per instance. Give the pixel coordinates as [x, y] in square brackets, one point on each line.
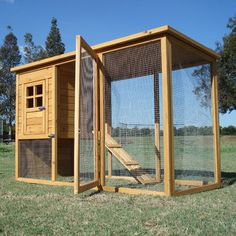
[138, 114]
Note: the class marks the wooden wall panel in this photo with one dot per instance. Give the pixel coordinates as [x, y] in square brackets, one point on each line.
[66, 100]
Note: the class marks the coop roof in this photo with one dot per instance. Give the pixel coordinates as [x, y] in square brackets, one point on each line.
[148, 34]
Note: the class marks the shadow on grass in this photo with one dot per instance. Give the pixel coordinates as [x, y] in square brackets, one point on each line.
[228, 178]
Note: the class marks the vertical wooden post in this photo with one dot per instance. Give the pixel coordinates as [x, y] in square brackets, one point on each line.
[108, 122]
[77, 117]
[96, 117]
[54, 125]
[16, 130]
[102, 126]
[215, 113]
[157, 127]
[167, 116]
[109, 157]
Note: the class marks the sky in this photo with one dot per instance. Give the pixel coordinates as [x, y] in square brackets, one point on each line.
[103, 20]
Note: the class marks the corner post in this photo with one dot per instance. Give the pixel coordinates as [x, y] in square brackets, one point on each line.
[166, 59]
[16, 130]
[77, 117]
[215, 113]
[54, 139]
[102, 125]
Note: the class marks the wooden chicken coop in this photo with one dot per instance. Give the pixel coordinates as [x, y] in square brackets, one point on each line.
[138, 114]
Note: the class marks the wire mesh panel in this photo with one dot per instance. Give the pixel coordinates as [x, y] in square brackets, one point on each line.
[193, 131]
[132, 113]
[35, 158]
[87, 119]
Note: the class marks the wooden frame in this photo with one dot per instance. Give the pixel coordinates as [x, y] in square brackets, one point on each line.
[214, 92]
[16, 130]
[167, 36]
[54, 139]
[78, 187]
[168, 117]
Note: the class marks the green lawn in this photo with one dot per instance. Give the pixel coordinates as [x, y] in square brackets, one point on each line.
[27, 209]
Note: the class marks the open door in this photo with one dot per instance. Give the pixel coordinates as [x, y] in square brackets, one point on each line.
[86, 173]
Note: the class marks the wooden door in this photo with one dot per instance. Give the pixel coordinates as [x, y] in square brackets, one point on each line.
[86, 126]
[35, 111]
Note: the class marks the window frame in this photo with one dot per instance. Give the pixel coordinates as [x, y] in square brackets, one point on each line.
[35, 97]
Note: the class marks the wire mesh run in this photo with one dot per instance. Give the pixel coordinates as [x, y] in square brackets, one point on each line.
[133, 116]
[193, 136]
[87, 119]
[35, 157]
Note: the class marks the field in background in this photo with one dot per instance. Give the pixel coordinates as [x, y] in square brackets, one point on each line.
[27, 209]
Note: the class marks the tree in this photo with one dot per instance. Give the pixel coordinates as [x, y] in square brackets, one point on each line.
[54, 44]
[32, 52]
[9, 57]
[203, 88]
[226, 67]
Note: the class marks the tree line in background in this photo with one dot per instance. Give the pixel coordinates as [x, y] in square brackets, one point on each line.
[137, 132]
[183, 131]
[10, 56]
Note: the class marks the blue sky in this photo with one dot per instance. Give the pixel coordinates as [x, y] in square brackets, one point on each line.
[99, 21]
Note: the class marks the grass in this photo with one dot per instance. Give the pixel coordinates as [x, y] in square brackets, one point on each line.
[27, 209]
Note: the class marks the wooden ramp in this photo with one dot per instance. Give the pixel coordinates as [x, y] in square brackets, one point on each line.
[127, 161]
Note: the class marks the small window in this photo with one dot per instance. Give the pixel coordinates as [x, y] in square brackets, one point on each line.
[30, 91]
[39, 89]
[30, 103]
[34, 96]
[39, 101]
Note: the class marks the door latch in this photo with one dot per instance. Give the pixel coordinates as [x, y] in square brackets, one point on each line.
[51, 135]
[42, 108]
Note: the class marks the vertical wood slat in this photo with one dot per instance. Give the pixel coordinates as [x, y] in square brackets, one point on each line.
[215, 113]
[157, 127]
[54, 124]
[16, 130]
[96, 118]
[77, 118]
[167, 116]
[102, 126]
[109, 154]
[108, 125]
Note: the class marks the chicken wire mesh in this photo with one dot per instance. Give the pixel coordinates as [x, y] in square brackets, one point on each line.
[192, 116]
[87, 119]
[35, 158]
[132, 108]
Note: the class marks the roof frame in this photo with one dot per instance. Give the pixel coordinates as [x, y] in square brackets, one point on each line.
[120, 42]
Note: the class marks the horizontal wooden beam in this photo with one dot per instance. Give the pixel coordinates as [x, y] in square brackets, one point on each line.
[186, 182]
[45, 182]
[132, 191]
[128, 178]
[88, 186]
[197, 189]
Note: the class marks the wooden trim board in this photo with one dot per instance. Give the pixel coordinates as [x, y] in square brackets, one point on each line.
[215, 114]
[77, 117]
[45, 182]
[197, 189]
